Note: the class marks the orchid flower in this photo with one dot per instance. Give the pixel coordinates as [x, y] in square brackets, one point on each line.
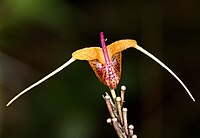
[105, 62]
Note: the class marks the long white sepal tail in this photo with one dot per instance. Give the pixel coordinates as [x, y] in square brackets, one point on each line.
[41, 80]
[165, 67]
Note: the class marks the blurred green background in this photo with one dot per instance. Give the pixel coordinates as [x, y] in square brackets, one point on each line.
[37, 36]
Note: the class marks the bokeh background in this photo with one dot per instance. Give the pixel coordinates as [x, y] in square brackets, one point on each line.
[37, 36]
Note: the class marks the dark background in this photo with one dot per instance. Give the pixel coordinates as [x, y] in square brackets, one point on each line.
[37, 36]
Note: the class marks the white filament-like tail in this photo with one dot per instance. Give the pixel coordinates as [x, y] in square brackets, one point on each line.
[41, 80]
[165, 67]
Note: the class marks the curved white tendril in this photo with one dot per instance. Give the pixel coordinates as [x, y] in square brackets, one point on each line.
[41, 80]
[165, 67]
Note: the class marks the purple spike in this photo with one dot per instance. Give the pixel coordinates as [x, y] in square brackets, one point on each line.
[103, 45]
[111, 78]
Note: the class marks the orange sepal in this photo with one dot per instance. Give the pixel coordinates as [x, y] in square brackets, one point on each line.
[120, 45]
[90, 53]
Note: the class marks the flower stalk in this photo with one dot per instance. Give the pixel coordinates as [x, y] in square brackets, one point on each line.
[118, 114]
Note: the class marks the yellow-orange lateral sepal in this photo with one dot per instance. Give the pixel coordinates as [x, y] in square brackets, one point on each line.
[120, 45]
[90, 53]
